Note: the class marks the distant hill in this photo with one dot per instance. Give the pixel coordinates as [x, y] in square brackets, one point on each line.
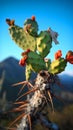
[12, 73]
[67, 81]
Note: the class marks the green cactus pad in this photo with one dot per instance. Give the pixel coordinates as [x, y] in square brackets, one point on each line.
[57, 66]
[22, 38]
[34, 27]
[36, 62]
[44, 43]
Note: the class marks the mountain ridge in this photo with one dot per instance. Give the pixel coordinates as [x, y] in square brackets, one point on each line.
[13, 73]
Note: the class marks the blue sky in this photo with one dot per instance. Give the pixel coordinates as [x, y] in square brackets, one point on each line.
[57, 14]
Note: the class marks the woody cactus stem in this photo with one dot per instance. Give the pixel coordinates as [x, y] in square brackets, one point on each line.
[41, 96]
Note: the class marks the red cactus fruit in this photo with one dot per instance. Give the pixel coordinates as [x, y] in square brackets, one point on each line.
[28, 50]
[58, 54]
[22, 62]
[25, 52]
[33, 18]
[69, 57]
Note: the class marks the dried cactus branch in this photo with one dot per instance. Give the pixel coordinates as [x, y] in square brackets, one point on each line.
[36, 102]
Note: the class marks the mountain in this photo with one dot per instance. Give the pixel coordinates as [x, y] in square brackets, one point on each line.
[67, 80]
[11, 72]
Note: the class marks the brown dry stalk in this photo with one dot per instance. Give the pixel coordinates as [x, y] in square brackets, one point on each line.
[29, 119]
[49, 94]
[32, 90]
[17, 119]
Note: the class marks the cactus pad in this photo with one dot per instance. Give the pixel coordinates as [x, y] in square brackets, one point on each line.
[21, 38]
[57, 66]
[44, 43]
[33, 29]
[36, 62]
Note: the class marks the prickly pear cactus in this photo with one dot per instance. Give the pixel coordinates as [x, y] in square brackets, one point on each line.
[39, 45]
[36, 47]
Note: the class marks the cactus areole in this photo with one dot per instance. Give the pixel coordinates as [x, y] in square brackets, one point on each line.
[36, 46]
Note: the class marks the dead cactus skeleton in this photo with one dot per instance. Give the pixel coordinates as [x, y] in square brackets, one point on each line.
[41, 96]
